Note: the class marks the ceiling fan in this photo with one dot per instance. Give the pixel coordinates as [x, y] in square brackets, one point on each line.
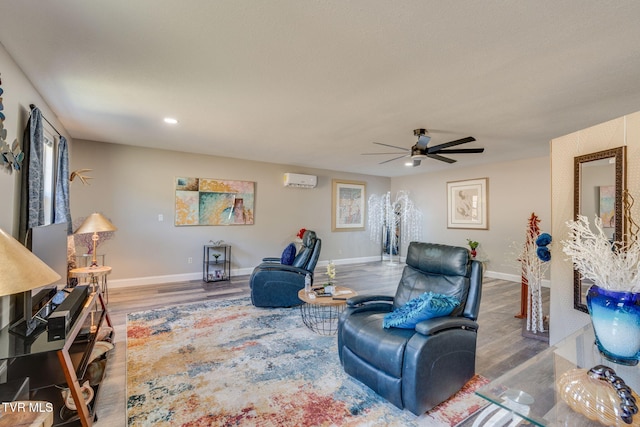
[421, 151]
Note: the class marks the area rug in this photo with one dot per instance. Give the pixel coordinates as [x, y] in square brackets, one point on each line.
[227, 363]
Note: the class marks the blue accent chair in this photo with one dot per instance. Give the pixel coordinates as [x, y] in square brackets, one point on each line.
[416, 369]
[276, 285]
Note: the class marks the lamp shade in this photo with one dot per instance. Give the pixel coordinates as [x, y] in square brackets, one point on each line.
[95, 223]
[20, 269]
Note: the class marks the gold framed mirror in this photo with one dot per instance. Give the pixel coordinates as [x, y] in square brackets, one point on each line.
[599, 184]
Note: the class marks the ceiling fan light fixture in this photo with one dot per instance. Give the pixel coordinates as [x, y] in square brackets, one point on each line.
[421, 149]
[417, 153]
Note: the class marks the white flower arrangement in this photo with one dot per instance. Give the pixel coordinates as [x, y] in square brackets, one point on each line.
[610, 265]
[331, 272]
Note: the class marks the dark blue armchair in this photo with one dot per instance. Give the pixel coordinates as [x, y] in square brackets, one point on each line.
[277, 285]
[416, 369]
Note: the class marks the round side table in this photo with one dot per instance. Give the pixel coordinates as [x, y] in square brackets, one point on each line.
[320, 314]
[93, 273]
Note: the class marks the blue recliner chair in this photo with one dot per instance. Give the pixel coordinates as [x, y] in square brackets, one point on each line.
[416, 369]
[276, 285]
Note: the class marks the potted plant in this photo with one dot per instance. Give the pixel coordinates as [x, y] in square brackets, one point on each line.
[331, 276]
[473, 245]
[614, 299]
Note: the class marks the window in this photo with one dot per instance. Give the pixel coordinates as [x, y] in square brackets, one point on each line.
[49, 151]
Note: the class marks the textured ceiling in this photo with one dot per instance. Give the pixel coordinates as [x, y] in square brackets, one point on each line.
[314, 83]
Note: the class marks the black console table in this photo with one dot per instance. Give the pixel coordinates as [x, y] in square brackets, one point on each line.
[49, 363]
[216, 263]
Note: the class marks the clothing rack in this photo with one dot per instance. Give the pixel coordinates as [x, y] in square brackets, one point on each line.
[32, 106]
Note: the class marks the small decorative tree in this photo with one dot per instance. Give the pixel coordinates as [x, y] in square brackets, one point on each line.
[398, 218]
[533, 257]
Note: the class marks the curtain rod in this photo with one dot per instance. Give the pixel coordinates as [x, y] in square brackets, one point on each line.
[32, 106]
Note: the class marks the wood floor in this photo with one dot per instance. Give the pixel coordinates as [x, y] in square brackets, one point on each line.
[501, 345]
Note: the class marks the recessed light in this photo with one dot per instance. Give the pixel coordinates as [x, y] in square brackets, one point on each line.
[408, 163]
[170, 121]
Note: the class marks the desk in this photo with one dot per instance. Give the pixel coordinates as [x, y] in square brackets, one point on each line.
[541, 403]
[321, 314]
[93, 273]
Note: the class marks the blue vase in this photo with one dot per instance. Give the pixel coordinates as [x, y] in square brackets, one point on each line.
[615, 316]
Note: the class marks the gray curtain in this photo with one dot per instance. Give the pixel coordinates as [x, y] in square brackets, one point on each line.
[32, 191]
[62, 213]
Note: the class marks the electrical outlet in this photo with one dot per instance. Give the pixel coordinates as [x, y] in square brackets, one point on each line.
[160, 217]
[190, 260]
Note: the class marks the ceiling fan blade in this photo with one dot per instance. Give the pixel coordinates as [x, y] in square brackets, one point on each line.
[461, 150]
[439, 147]
[423, 141]
[392, 146]
[416, 162]
[375, 154]
[391, 160]
[441, 158]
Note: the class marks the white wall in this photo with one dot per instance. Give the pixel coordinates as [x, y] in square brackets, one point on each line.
[615, 133]
[515, 190]
[133, 185]
[18, 94]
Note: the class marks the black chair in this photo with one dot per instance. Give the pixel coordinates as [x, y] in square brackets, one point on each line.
[277, 285]
[416, 369]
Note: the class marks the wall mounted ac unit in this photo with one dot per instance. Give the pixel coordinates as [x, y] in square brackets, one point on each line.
[300, 181]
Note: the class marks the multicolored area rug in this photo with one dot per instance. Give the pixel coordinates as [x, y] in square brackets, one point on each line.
[227, 363]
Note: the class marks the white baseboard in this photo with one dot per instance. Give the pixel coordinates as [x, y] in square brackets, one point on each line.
[185, 277]
[172, 278]
[512, 277]
[150, 280]
[502, 276]
[346, 261]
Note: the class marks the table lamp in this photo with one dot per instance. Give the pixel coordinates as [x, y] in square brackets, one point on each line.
[95, 223]
[22, 271]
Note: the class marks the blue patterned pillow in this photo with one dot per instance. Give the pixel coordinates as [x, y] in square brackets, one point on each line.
[426, 306]
[288, 254]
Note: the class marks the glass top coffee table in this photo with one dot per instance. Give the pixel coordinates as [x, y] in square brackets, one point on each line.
[529, 390]
[320, 314]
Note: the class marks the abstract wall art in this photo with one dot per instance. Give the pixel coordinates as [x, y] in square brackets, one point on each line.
[608, 205]
[205, 201]
[11, 154]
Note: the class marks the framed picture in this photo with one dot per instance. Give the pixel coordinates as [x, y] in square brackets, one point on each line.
[608, 205]
[206, 201]
[347, 205]
[467, 204]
